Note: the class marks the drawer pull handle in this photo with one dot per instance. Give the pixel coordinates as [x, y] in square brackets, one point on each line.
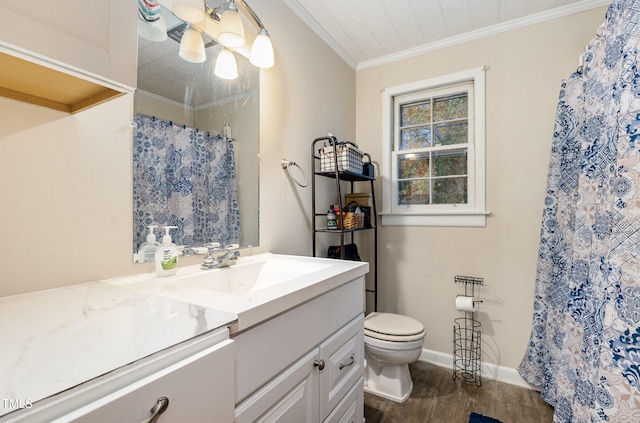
[342, 366]
[319, 364]
[159, 408]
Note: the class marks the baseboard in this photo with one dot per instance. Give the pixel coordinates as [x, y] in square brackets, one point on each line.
[489, 371]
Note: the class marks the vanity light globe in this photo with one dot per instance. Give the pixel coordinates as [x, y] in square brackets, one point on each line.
[191, 11]
[262, 50]
[153, 31]
[192, 46]
[231, 30]
[226, 65]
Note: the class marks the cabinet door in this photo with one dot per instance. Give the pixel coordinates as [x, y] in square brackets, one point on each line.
[343, 354]
[351, 408]
[199, 388]
[99, 37]
[292, 397]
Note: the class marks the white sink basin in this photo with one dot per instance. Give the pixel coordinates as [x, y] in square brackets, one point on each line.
[245, 278]
[256, 288]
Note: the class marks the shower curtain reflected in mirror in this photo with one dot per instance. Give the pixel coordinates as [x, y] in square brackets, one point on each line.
[584, 349]
[186, 178]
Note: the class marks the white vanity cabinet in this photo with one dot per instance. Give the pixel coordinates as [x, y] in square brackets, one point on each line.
[196, 389]
[68, 54]
[197, 378]
[305, 365]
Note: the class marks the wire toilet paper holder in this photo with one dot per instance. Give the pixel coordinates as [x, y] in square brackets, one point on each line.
[467, 337]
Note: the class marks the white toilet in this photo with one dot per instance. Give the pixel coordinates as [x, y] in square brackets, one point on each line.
[391, 342]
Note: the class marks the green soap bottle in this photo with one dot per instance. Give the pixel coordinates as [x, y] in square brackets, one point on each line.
[167, 255]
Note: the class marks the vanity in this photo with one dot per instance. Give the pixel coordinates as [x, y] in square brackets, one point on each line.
[273, 336]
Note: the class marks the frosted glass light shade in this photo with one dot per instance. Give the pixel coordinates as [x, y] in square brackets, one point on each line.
[226, 65]
[192, 47]
[231, 30]
[191, 11]
[153, 31]
[262, 50]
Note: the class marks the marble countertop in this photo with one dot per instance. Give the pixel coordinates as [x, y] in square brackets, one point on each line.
[55, 339]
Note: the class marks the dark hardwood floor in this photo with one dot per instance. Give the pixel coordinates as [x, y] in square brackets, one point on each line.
[437, 398]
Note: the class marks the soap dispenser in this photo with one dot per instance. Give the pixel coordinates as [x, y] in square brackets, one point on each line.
[167, 255]
[147, 250]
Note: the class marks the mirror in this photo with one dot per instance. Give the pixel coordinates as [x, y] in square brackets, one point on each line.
[190, 95]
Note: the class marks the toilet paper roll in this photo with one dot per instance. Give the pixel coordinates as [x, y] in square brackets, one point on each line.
[465, 303]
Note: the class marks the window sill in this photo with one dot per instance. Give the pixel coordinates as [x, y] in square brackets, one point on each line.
[477, 219]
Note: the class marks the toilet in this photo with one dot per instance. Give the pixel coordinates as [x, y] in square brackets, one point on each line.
[391, 343]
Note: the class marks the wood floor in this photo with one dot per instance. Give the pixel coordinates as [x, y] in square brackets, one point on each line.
[437, 398]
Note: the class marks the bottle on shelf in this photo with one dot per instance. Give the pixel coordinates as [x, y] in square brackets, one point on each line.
[331, 218]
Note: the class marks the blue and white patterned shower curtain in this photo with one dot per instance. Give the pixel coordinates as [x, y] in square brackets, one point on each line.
[183, 177]
[584, 349]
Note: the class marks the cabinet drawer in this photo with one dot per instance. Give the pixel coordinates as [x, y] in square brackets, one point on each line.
[343, 354]
[351, 408]
[199, 388]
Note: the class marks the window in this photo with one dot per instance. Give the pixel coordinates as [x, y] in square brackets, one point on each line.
[433, 153]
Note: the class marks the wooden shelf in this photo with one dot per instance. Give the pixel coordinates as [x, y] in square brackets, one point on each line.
[30, 82]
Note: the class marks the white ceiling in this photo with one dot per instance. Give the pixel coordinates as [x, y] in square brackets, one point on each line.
[369, 32]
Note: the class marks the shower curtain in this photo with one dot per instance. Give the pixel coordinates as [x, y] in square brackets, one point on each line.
[584, 348]
[186, 178]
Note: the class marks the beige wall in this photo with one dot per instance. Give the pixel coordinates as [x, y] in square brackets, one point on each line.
[66, 180]
[417, 265]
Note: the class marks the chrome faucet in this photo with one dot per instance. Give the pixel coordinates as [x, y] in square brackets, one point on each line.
[227, 258]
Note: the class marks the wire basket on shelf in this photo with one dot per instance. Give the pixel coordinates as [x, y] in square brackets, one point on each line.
[345, 154]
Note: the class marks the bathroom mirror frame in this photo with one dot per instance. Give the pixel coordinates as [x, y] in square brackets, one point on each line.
[171, 89]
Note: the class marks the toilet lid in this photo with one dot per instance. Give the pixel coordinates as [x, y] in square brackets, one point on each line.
[395, 326]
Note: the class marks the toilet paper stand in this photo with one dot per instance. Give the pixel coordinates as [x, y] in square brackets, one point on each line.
[467, 354]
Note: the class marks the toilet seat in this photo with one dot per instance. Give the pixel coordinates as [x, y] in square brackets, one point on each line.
[393, 327]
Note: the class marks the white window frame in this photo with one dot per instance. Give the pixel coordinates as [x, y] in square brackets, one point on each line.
[471, 214]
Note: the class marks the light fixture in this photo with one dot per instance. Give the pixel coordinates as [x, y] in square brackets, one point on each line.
[262, 50]
[192, 46]
[231, 30]
[191, 11]
[221, 25]
[226, 65]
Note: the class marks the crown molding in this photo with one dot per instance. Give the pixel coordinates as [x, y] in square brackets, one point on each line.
[301, 12]
[484, 32]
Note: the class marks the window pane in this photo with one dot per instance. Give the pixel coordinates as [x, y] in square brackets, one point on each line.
[413, 192]
[450, 190]
[416, 114]
[413, 166]
[415, 138]
[447, 163]
[450, 107]
[451, 133]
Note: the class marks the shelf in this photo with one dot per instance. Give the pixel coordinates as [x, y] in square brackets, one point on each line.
[26, 81]
[347, 176]
[338, 231]
[346, 236]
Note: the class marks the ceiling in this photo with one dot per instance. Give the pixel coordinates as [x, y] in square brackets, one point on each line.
[370, 32]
